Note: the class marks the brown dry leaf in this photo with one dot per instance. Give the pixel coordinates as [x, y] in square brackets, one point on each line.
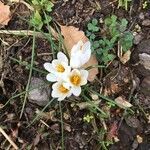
[122, 103]
[5, 14]
[112, 131]
[71, 36]
[112, 88]
[139, 139]
[126, 57]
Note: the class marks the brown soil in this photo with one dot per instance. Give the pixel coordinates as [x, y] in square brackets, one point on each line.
[118, 80]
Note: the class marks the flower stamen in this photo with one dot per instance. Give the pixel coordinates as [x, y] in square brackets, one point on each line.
[60, 68]
[75, 80]
[62, 89]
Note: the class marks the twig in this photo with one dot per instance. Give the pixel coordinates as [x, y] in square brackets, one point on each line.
[43, 122]
[9, 139]
[27, 5]
[23, 33]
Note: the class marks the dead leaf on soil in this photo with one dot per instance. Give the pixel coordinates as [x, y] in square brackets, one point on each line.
[112, 89]
[71, 36]
[139, 139]
[126, 57]
[112, 131]
[122, 103]
[4, 14]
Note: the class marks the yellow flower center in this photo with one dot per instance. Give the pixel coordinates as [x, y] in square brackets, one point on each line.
[75, 80]
[62, 89]
[60, 68]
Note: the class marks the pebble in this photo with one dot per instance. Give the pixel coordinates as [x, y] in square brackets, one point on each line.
[141, 57]
[133, 122]
[40, 93]
[141, 16]
[137, 39]
[146, 22]
[145, 86]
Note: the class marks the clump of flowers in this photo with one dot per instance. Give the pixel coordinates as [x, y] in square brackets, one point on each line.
[69, 75]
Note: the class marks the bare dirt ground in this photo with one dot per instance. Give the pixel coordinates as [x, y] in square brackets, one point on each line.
[130, 80]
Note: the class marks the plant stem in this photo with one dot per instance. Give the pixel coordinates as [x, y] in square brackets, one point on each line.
[30, 74]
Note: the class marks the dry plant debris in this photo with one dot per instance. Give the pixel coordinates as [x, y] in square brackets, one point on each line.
[5, 14]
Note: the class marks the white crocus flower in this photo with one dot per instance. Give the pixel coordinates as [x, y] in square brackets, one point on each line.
[76, 79]
[58, 68]
[61, 90]
[80, 54]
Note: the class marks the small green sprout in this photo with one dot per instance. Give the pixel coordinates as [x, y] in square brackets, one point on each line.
[145, 4]
[40, 6]
[93, 26]
[123, 3]
[88, 118]
[116, 31]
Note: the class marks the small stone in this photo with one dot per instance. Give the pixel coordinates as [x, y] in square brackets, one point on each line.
[135, 145]
[67, 127]
[146, 82]
[56, 128]
[145, 86]
[66, 116]
[138, 28]
[133, 122]
[94, 96]
[116, 139]
[137, 38]
[141, 16]
[145, 60]
[39, 94]
[139, 139]
[141, 57]
[10, 116]
[146, 22]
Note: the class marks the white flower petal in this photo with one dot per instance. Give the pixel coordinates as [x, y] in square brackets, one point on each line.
[76, 91]
[55, 85]
[86, 53]
[76, 47]
[55, 94]
[69, 94]
[55, 62]
[84, 76]
[83, 81]
[66, 85]
[48, 67]
[51, 77]
[84, 73]
[87, 46]
[62, 57]
[75, 71]
[80, 54]
[75, 61]
[61, 98]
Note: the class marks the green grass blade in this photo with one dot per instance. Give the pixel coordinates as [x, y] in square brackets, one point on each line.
[30, 74]
[38, 115]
